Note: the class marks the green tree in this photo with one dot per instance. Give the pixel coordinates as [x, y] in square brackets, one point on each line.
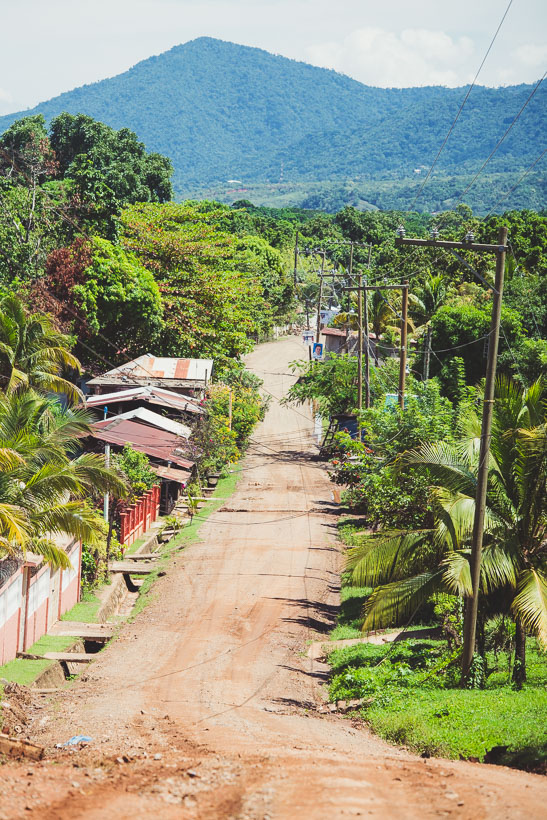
[33, 353]
[406, 568]
[212, 305]
[135, 466]
[44, 486]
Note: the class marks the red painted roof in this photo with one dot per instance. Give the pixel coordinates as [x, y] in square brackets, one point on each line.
[152, 441]
[333, 331]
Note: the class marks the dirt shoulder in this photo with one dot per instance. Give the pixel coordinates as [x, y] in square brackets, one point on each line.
[205, 706]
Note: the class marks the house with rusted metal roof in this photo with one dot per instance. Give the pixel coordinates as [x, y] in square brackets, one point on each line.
[165, 449]
[120, 400]
[188, 377]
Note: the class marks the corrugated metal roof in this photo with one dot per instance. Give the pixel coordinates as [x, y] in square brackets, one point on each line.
[153, 395]
[333, 331]
[155, 443]
[149, 417]
[158, 367]
[172, 474]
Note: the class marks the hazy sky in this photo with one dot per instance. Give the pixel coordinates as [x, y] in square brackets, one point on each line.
[50, 46]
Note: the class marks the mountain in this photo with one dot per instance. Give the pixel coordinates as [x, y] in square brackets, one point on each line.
[224, 112]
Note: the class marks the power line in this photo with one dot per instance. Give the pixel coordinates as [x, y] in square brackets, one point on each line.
[517, 183]
[493, 151]
[456, 118]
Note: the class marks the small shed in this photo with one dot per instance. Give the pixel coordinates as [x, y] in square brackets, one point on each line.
[335, 340]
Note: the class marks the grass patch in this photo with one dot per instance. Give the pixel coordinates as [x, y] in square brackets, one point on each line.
[416, 701]
[24, 671]
[85, 611]
[350, 616]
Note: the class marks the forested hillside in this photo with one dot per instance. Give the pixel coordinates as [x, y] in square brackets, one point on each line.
[230, 116]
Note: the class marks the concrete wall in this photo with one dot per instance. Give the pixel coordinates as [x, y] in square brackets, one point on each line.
[10, 613]
[31, 601]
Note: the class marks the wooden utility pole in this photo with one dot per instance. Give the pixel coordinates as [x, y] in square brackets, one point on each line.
[359, 330]
[367, 348]
[319, 299]
[360, 288]
[427, 353]
[295, 259]
[472, 603]
[402, 357]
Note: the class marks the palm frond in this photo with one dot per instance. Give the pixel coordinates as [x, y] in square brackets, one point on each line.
[397, 602]
[377, 557]
[457, 573]
[72, 518]
[530, 603]
[53, 555]
[14, 524]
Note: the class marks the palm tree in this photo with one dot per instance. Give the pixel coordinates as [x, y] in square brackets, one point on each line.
[32, 353]
[44, 484]
[424, 304]
[514, 562]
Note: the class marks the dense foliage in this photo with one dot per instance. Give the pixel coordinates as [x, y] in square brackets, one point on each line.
[134, 466]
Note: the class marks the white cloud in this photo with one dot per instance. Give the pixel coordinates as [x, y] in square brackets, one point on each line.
[376, 56]
[532, 55]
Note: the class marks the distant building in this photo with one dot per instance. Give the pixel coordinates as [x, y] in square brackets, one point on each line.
[335, 340]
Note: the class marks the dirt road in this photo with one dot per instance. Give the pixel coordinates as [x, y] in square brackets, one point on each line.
[204, 706]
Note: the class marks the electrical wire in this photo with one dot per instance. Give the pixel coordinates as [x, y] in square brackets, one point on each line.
[493, 151]
[517, 183]
[462, 105]
[530, 306]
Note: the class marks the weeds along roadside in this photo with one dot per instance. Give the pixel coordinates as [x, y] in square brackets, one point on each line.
[410, 695]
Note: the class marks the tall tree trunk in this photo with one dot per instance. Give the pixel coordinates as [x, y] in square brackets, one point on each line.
[519, 667]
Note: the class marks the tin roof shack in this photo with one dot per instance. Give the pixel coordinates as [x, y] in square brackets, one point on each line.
[335, 340]
[179, 409]
[187, 377]
[165, 450]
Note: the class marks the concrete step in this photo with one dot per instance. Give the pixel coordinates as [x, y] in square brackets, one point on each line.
[70, 657]
[77, 629]
[131, 567]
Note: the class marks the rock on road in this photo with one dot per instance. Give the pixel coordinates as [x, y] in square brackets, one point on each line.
[204, 707]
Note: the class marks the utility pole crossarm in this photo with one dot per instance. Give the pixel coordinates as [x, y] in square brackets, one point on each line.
[440, 243]
[404, 286]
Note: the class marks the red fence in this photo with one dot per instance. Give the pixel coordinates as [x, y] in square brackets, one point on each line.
[136, 519]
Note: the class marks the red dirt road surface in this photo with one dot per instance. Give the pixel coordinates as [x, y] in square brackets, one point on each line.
[205, 706]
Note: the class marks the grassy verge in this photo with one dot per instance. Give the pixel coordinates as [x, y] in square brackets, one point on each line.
[411, 696]
[85, 611]
[183, 538]
[24, 671]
